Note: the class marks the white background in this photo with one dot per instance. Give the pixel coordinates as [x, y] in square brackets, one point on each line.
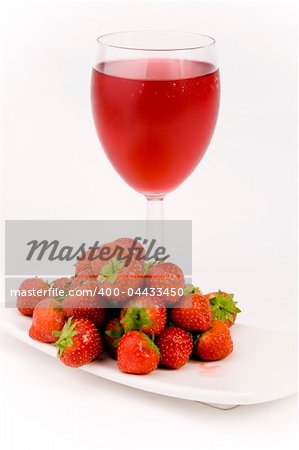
[241, 198]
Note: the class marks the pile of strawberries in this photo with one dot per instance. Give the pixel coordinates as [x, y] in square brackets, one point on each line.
[165, 323]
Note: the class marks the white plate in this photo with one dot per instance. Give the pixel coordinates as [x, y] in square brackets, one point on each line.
[261, 368]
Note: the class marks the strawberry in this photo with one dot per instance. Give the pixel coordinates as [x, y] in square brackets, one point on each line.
[175, 346]
[26, 302]
[166, 279]
[85, 305]
[78, 279]
[47, 317]
[223, 307]
[117, 276]
[215, 343]
[61, 287]
[113, 333]
[137, 353]
[86, 286]
[147, 314]
[62, 283]
[128, 243]
[79, 342]
[84, 265]
[103, 255]
[82, 277]
[193, 311]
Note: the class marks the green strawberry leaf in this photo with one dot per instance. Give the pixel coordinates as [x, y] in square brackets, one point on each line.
[110, 270]
[190, 289]
[224, 307]
[135, 318]
[59, 298]
[56, 333]
[65, 336]
[115, 333]
[150, 342]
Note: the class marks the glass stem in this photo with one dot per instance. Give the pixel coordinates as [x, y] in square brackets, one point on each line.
[155, 219]
[154, 208]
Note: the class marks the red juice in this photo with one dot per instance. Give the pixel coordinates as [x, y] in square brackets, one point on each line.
[155, 118]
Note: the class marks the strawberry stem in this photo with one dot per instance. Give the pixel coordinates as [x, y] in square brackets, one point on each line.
[135, 318]
[190, 289]
[224, 307]
[65, 336]
[110, 270]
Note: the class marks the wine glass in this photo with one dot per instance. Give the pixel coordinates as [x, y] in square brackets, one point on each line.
[155, 100]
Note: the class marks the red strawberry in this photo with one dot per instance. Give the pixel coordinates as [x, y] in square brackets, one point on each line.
[113, 333]
[47, 318]
[79, 343]
[103, 255]
[26, 302]
[84, 264]
[224, 307]
[175, 346]
[118, 277]
[137, 353]
[214, 344]
[167, 279]
[128, 243]
[86, 287]
[82, 277]
[193, 311]
[61, 287]
[85, 305]
[77, 280]
[62, 283]
[147, 314]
